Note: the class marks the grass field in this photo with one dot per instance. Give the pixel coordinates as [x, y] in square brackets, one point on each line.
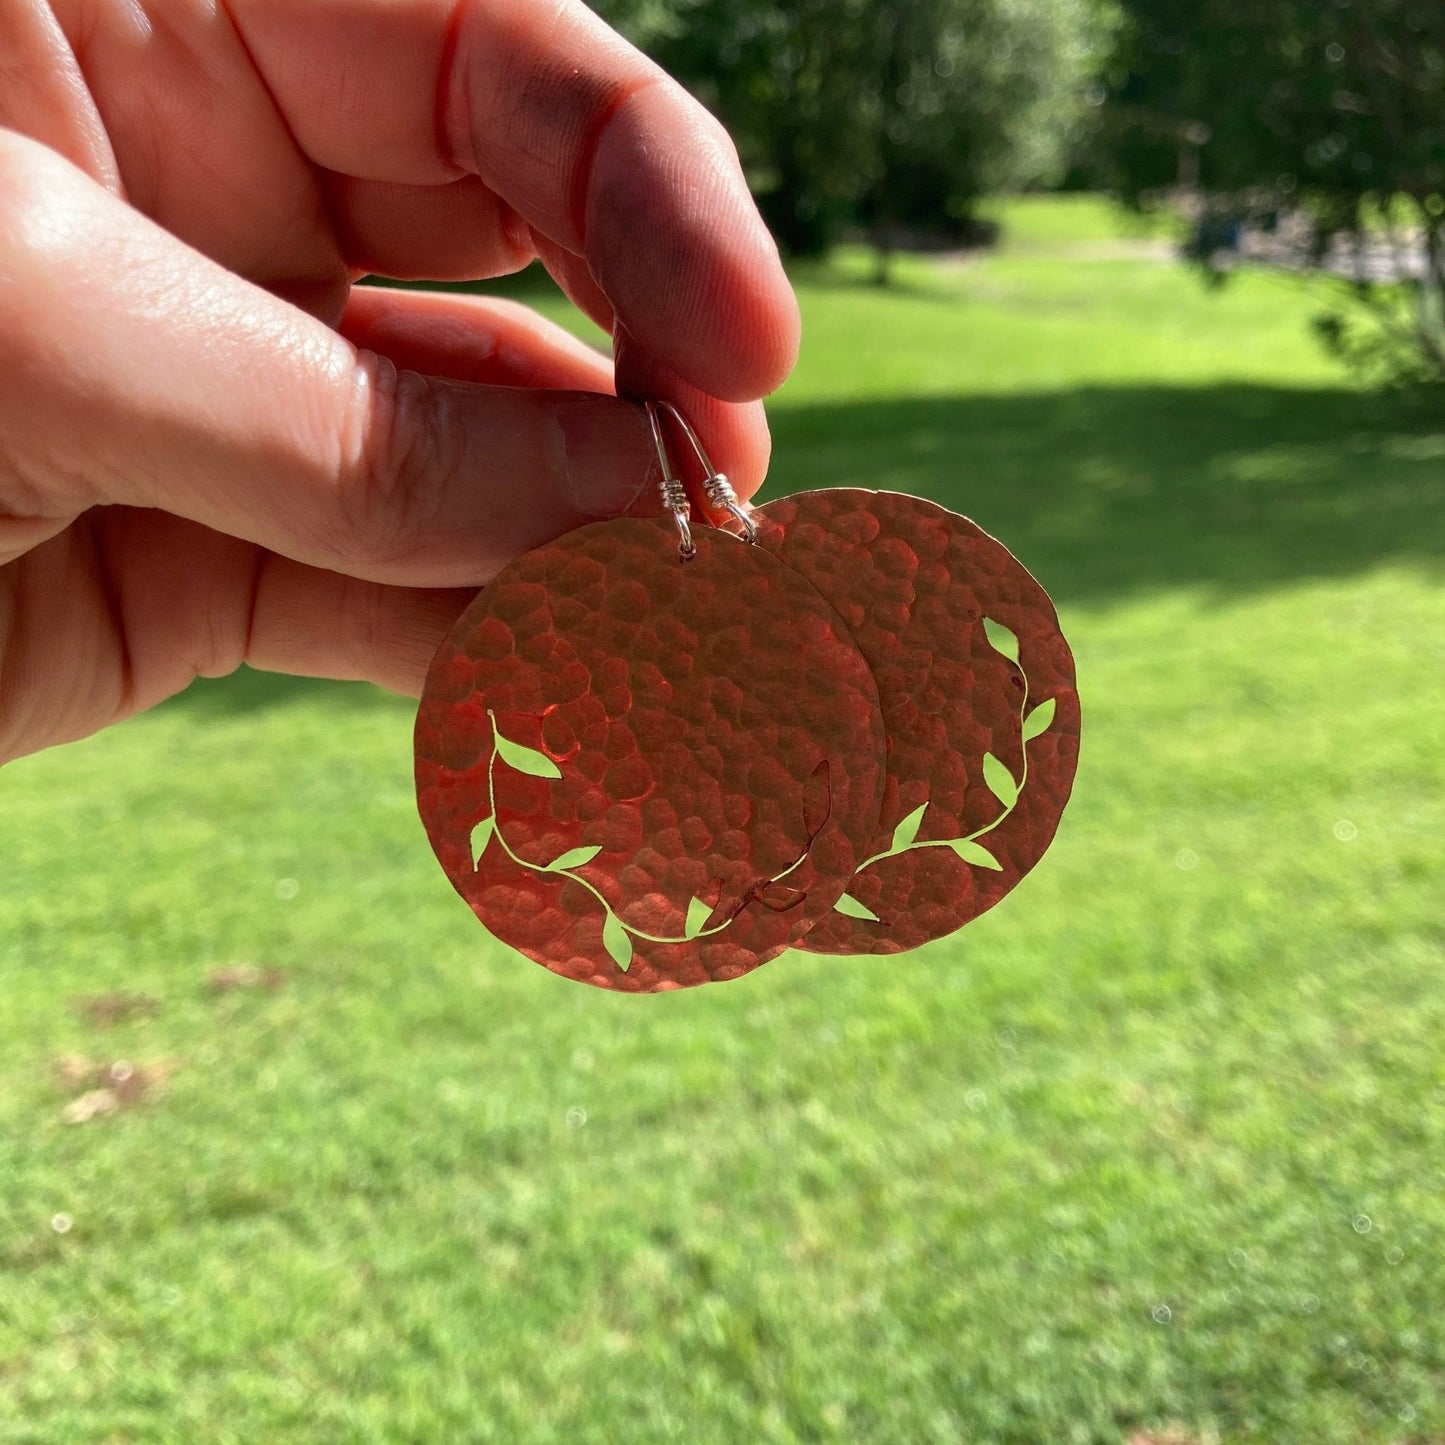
[1068, 223]
[1154, 1152]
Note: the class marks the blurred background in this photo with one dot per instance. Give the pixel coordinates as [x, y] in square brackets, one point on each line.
[1153, 1153]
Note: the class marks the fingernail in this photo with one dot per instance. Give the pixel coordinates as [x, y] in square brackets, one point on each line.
[607, 451]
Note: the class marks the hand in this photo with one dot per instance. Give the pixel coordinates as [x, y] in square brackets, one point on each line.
[212, 449]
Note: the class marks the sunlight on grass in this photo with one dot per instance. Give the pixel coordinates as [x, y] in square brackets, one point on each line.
[1160, 1141]
[1075, 224]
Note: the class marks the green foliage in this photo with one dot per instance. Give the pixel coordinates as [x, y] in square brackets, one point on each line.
[1331, 112]
[895, 113]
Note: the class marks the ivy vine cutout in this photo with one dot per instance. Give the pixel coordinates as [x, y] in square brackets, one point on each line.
[996, 776]
[617, 935]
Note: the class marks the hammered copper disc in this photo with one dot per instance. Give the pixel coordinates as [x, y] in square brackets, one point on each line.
[713, 724]
[914, 583]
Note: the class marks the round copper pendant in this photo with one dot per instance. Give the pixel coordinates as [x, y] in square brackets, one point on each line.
[977, 689]
[645, 773]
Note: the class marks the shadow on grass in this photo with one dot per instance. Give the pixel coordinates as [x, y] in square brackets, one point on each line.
[1104, 491]
[1108, 491]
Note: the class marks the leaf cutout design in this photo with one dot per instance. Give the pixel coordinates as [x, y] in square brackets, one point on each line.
[698, 914]
[976, 854]
[1039, 719]
[574, 858]
[526, 760]
[1000, 781]
[907, 830]
[850, 906]
[617, 942]
[1002, 639]
[481, 836]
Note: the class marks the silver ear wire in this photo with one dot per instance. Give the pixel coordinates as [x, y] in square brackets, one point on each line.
[674, 494]
[719, 490]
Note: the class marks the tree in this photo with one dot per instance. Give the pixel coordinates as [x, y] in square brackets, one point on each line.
[1329, 109]
[970, 97]
[895, 114]
[784, 77]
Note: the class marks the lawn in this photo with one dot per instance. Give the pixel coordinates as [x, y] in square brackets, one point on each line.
[1074, 223]
[1154, 1152]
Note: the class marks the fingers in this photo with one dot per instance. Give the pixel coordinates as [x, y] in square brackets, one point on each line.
[452, 232]
[575, 278]
[454, 130]
[189, 602]
[499, 343]
[206, 397]
[200, 147]
[43, 94]
[313, 623]
[736, 435]
[138, 604]
[489, 341]
[675, 243]
[572, 129]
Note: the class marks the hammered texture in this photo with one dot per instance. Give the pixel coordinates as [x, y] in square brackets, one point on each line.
[713, 723]
[914, 582]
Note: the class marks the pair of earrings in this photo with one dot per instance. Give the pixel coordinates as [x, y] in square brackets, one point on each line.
[651, 754]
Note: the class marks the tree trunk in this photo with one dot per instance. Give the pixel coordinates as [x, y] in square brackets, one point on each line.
[884, 246]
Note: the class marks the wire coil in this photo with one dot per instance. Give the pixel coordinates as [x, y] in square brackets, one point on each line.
[720, 494]
[674, 494]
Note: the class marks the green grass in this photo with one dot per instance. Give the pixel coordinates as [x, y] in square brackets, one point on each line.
[1159, 1142]
[1067, 223]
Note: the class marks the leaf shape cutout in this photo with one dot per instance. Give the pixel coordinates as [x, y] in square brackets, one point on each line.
[849, 905]
[907, 830]
[1002, 639]
[1000, 781]
[526, 760]
[976, 854]
[617, 942]
[1039, 719]
[574, 858]
[481, 836]
[698, 914]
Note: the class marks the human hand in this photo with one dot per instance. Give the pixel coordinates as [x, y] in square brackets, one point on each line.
[213, 450]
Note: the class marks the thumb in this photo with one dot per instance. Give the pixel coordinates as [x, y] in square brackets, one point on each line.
[143, 373]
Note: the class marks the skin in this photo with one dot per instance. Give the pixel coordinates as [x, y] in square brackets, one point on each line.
[213, 450]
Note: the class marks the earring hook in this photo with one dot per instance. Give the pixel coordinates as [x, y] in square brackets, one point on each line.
[715, 484]
[674, 494]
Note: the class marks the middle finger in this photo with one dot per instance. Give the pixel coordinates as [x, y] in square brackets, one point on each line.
[200, 147]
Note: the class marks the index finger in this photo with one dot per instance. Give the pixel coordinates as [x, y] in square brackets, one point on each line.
[589, 142]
